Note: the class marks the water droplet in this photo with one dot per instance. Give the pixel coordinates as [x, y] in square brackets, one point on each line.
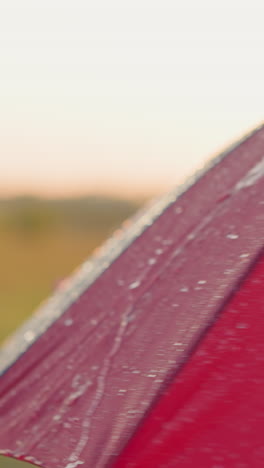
[232, 236]
[29, 336]
[244, 255]
[68, 322]
[177, 251]
[178, 210]
[202, 282]
[242, 325]
[74, 464]
[56, 417]
[33, 460]
[152, 261]
[78, 393]
[177, 343]
[76, 381]
[152, 376]
[256, 173]
[93, 322]
[159, 251]
[134, 285]
[67, 425]
[167, 242]
[184, 289]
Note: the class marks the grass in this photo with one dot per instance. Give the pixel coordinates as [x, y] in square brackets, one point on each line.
[9, 463]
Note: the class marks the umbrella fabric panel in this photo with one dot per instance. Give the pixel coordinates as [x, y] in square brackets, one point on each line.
[212, 414]
[77, 395]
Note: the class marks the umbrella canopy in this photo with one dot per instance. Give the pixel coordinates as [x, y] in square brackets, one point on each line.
[152, 355]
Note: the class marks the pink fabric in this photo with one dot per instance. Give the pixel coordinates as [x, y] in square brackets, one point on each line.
[79, 393]
[212, 414]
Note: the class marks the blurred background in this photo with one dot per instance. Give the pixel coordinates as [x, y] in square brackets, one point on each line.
[104, 105]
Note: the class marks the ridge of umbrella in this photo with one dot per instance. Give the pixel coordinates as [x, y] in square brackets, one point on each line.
[87, 274]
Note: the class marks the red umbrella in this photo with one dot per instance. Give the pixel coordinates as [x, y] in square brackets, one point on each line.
[153, 354]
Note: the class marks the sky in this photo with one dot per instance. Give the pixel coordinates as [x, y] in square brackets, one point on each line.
[123, 96]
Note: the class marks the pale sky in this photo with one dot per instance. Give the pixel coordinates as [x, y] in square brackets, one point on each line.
[123, 95]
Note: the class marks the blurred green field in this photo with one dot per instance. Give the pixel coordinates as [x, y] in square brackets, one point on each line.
[9, 463]
[43, 241]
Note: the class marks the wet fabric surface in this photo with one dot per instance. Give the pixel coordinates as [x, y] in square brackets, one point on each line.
[81, 390]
